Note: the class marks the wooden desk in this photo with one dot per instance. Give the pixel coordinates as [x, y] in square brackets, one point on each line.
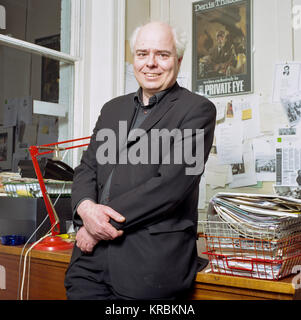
[210, 286]
[47, 273]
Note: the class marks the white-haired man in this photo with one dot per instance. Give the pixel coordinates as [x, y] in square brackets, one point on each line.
[137, 221]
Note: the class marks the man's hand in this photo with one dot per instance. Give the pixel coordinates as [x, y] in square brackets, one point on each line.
[84, 240]
[96, 219]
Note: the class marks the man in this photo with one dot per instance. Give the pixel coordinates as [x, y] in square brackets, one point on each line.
[221, 56]
[137, 221]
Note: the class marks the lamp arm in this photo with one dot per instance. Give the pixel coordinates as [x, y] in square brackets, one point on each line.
[54, 220]
[34, 152]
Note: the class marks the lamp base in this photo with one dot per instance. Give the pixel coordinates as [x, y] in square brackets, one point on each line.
[53, 243]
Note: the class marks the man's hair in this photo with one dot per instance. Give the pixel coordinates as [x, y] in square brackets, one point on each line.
[220, 33]
[180, 39]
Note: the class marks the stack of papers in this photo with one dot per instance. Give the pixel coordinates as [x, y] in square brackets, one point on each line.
[263, 216]
[253, 235]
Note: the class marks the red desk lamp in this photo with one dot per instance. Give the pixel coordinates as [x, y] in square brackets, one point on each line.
[51, 243]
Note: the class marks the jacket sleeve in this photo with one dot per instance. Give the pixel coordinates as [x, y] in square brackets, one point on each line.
[160, 194]
[85, 177]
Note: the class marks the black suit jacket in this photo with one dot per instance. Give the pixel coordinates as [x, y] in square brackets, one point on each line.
[156, 257]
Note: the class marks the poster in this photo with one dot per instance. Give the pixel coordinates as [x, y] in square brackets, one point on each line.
[222, 47]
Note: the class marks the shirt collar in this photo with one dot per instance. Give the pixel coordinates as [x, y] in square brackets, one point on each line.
[156, 98]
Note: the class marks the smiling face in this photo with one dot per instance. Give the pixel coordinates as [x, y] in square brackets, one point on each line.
[156, 64]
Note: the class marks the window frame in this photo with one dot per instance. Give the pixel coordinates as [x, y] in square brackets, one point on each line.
[73, 59]
[38, 50]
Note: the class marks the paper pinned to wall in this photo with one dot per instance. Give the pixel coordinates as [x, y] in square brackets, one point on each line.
[287, 136]
[25, 110]
[288, 166]
[288, 156]
[220, 105]
[220, 111]
[244, 173]
[265, 158]
[229, 138]
[246, 109]
[47, 130]
[25, 135]
[217, 175]
[287, 79]
[292, 107]
[11, 107]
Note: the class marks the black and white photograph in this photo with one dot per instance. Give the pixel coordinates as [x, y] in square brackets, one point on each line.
[238, 168]
[265, 165]
[287, 131]
[292, 108]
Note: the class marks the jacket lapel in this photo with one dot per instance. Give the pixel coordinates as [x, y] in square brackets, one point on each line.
[125, 114]
[166, 104]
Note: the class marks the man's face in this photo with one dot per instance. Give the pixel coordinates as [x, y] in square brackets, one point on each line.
[156, 64]
[220, 41]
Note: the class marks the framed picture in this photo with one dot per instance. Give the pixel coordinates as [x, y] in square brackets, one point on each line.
[6, 147]
[222, 59]
[50, 70]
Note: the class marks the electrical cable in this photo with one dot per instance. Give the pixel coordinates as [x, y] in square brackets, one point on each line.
[21, 255]
[25, 257]
[28, 276]
[22, 252]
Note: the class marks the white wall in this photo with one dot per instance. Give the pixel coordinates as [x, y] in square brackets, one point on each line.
[297, 32]
[103, 57]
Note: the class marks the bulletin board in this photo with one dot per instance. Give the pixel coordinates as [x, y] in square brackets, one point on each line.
[245, 156]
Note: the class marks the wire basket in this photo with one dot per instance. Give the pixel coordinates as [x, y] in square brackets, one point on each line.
[31, 188]
[233, 249]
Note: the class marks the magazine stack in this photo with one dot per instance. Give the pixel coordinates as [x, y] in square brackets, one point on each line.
[257, 236]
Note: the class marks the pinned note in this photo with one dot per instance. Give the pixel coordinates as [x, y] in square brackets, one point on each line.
[246, 114]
